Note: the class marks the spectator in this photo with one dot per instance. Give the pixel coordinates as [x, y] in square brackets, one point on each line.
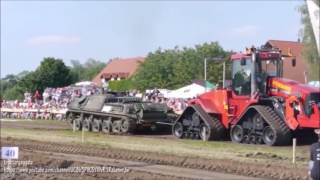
[314, 164]
[37, 96]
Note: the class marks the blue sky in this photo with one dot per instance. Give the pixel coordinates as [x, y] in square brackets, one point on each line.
[102, 30]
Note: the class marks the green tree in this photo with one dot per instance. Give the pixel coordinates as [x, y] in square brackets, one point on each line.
[9, 85]
[92, 68]
[28, 83]
[86, 71]
[13, 93]
[51, 73]
[76, 71]
[122, 85]
[8, 82]
[177, 67]
[309, 52]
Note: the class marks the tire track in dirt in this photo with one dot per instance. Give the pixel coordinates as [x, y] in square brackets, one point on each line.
[263, 170]
[71, 170]
[147, 167]
[63, 125]
[29, 124]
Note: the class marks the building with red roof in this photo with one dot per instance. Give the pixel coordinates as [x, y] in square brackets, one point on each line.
[118, 69]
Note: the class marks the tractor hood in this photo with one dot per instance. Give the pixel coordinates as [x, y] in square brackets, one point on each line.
[288, 87]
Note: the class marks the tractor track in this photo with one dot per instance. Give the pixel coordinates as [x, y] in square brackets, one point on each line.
[170, 171]
[76, 167]
[192, 163]
[282, 131]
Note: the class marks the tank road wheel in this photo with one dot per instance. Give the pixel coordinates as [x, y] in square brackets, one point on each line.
[127, 125]
[204, 132]
[86, 124]
[78, 124]
[237, 134]
[116, 126]
[96, 125]
[70, 119]
[106, 126]
[178, 130]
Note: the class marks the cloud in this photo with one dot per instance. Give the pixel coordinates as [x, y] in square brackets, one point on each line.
[53, 40]
[248, 30]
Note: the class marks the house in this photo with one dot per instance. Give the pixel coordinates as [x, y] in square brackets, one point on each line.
[118, 69]
[298, 72]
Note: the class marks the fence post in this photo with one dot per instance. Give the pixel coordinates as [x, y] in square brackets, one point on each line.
[294, 144]
[82, 134]
[74, 125]
[205, 134]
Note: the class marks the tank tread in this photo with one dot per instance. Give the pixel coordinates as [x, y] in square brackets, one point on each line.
[132, 126]
[283, 133]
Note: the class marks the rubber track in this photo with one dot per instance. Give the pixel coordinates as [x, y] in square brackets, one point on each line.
[283, 133]
[217, 131]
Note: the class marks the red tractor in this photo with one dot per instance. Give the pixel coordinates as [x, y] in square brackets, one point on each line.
[259, 107]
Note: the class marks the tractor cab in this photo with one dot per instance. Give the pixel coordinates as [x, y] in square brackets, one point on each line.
[251, 69]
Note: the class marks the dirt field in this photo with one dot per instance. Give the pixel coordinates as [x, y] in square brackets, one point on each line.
[51, 161]
[153, 156]
[34, 124]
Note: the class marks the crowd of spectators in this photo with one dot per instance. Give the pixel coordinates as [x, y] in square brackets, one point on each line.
[177, 105]
[60, 97]
[52, 99]
[56, 99]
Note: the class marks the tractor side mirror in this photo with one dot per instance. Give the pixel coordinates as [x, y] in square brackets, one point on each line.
[294, 62]
[243, 62]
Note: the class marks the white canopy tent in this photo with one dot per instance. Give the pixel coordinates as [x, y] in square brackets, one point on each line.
[314, 84]
[85, 83]
[189, 91]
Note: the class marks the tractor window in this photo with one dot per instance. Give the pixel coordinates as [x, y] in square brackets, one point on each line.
[241, 77]
[265, 69]
[269, 67]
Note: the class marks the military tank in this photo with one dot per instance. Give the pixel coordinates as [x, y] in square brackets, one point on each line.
[110, 113]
